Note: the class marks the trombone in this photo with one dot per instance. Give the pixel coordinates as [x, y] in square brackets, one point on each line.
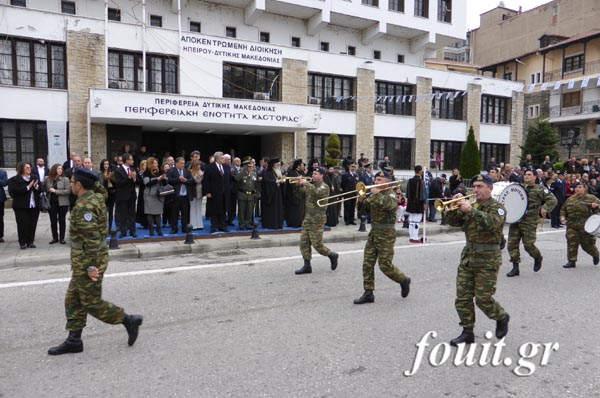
[294, 180]
[442, 206]
[361, 190]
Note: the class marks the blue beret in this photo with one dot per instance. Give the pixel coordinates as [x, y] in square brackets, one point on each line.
[82, 173]
[320, 170]
[483, 178]
[383, 174]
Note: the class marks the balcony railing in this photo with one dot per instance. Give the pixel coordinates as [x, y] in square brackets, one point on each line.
[584, 109]
[556, 75]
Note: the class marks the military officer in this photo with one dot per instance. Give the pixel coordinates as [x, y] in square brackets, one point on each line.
[480, 259]
[247, 189]
[314, 222]
[89, 260]
[382, 205]
[575, 211]
[541, 202]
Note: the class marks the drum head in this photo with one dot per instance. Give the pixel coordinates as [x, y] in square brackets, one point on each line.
[592, 224]
[513, 197]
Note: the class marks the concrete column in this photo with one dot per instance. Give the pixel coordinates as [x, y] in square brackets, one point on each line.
[365, 113]
[473, 105]
[294, 87]
[516, 128]
[422, 144]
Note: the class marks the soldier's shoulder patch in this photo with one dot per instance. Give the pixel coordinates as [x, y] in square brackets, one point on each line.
[546, 191]
[88, 217]
[501, 212]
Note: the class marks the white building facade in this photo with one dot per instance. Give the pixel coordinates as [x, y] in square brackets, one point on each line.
[261, 78]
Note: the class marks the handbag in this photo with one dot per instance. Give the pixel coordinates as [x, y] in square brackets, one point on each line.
[165, 190]
[44, 202]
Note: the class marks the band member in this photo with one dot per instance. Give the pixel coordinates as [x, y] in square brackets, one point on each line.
[314, 222]
[349, 181]
[248, 190]
[575, 212]
[382, 205]
[480, 259]
[541, 202]
[415, 194]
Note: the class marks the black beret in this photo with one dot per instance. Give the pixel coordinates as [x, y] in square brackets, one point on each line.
[383, 174]
[82, 173]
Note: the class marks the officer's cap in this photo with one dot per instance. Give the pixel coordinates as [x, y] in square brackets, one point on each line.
[367, 165]
[483, 178]
[383, 174]
[247, 162]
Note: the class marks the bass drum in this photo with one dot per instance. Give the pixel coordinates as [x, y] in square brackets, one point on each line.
[592, 225]
[513, 197]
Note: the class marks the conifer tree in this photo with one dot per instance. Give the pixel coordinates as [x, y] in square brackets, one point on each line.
[333, 149]
[470, 159]
[541, 141]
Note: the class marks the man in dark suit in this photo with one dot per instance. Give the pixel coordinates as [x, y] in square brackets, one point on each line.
[185, 189]
[125, 196]
[559, 190]
[217, 178]
[70, 163]
[68, 173]
[40, 171]
[3, 183]
[349, 181]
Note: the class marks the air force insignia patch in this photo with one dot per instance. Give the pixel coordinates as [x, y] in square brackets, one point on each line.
[88, 217]
[501, 212]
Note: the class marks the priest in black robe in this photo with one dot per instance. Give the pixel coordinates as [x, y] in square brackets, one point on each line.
[334, 186]
[271, 196]
[294, 197]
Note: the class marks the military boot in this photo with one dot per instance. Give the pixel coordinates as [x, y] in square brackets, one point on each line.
[537, 264]
[569, 264]
[405, 286]
[333, 257]
[596, 260]
[514, 271]
[367, 297]
[71, 345]
[502, 326]
[466, 337]
[132, 325]
[306, 269]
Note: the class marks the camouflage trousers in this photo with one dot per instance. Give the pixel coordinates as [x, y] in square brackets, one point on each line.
[576, 236]
[527, 233]
[478, 283]
[312, 235]
[380, 247]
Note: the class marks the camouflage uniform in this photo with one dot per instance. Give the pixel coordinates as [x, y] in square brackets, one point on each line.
[88, 230]
[314, 221]
[539, 197]
[576, 210]
[380, 244]
[480, 260]
[247, 191]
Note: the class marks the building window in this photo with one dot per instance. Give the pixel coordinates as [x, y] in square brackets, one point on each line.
[295, 42]
[571, 99]
[324, 46]
[351, 50]
[265, 37]
[422, 8]
[20, 3]
[533, 111]
[447, 104]
[32, 64]
[535, 78]
[376, 54]
[331, 92]
[449, 151]
[574, 63]
[445, 11]
[396, 5]
[251, 82]
[67, 7]
[230, 31]
[114, 14]
[495, 109]
[374, 3]
[125, 71]
[393, 98]
[496, 151]
[21, 141]
[398, 150]
[400, 58]
[316, 144]
[156, 20]
[507, 76]
[195, 26]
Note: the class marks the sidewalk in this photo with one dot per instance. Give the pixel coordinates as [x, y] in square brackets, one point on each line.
[45, 254]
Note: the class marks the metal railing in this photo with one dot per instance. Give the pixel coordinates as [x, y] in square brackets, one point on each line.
[557, 74]
[584, 109]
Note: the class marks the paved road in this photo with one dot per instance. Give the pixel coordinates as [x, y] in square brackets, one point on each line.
[241, 324]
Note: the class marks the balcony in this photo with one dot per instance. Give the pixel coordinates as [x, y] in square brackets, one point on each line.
[557, 74]
[586, 108]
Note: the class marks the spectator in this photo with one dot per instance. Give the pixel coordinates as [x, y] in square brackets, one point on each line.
[58, 188]
[384, 163]
[455, 179]
[185, 190]
[546, 164]
[492, 164]
[140, 213]
[107, 180]
[417, 203]
[153, 179]
[436, 191]
[528, 162]
[40, 171]
[125, 196]
[3, 183]
[196, 214]
[166, 219]
[349, 181]
[25, 193]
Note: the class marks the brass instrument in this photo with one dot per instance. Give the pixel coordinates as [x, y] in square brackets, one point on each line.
[294, 180]
[361, 190]
[442, 206]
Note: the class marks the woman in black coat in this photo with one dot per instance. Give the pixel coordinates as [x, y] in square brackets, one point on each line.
[25, 192]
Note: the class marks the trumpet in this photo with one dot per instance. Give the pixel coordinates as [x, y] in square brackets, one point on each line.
[361, 190]
[442, 206]
[294, 180]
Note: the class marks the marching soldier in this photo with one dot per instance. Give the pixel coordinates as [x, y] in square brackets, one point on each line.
[380, 244]
[247, 189]
[314, 222]
[541, 202]
[89, 260]
[480, 259]
[575, 211]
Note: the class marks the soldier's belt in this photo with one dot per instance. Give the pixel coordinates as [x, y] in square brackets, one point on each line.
[382, 226]
[248, 192]
[483, 246]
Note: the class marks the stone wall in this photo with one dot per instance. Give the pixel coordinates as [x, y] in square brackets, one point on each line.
[473, 110]
[516, 128]
[365, 113]
[294, 91]
[422, 144]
